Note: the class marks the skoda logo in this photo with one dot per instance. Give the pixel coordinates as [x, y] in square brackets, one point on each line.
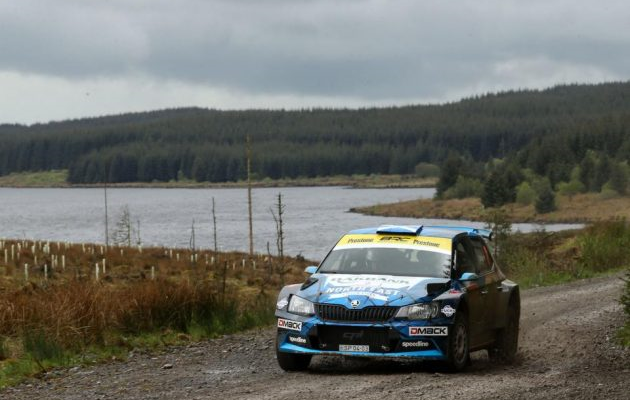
[355, 303]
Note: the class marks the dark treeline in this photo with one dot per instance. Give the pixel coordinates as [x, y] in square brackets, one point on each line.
[547, 131]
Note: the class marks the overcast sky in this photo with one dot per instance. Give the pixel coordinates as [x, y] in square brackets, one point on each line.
[74, 58]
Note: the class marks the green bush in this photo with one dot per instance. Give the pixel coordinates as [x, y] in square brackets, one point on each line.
[625, 301]
[426, 170]
[525, 194]
[41, 347]
[571, 188]
[4, 351]
[464, 187]
[604, 245]
[546, 201]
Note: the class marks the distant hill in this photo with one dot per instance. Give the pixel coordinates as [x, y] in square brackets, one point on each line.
[543, 130]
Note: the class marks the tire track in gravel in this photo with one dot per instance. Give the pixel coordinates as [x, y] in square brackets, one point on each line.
[567, 350]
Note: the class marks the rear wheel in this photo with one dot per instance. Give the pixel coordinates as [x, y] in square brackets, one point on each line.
[506, 345]
[458, 343]
[293, 361]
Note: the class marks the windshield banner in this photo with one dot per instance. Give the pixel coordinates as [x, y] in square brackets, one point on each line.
[440, 245]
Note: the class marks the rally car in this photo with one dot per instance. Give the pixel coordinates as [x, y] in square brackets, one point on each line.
[425, 292]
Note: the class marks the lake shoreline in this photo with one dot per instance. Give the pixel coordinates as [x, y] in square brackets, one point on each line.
[578, 209]
[58, 179]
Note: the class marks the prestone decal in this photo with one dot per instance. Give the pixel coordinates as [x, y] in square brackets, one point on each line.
[428, 331]
[404, 241]
[288, 324]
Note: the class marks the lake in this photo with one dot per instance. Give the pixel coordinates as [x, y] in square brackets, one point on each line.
[315, 217]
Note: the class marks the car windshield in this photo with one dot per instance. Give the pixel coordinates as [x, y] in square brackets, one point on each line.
[387, 261]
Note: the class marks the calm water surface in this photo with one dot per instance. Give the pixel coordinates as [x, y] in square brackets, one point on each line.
[315, 217]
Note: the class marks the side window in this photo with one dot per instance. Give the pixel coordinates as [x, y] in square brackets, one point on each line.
[464, 262]
[482, 256]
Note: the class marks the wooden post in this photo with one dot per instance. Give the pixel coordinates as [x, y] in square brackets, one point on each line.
[96, 271]
[26, 272]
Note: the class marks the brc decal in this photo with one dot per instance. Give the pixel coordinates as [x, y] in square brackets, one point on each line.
[428, 331]
[288, 324]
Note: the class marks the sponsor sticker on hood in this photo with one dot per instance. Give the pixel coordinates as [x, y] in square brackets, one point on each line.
[377, 289]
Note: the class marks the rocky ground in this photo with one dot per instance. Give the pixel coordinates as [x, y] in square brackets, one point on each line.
[567, 350]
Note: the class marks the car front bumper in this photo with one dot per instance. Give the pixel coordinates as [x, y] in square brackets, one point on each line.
[423, 339]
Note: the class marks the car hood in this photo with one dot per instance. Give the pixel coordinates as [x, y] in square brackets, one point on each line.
[368, 290]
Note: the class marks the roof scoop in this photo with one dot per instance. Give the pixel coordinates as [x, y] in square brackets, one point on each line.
[400, 229]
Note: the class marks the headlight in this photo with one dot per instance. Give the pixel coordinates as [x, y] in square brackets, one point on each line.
[419, 311]
[300, 306]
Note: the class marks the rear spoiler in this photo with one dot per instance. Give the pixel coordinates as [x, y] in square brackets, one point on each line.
[484, 233]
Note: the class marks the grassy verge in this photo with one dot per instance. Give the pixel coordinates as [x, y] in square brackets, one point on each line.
[624, 333]
[55, 178]
[58, 179]
[587, 207]
[62, 315]
[542, 259]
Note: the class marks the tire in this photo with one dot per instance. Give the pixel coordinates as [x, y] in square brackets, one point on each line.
[293, 361]
[506, 344]
[458, 344]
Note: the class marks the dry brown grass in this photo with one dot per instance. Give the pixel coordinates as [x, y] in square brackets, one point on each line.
[587, 207]
[72, 309]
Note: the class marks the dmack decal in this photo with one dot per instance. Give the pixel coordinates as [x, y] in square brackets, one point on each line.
[428, 331]
[288, 324]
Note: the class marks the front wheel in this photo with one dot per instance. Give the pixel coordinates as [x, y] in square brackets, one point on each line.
[458, 343]
[293, 361]
[506, 344]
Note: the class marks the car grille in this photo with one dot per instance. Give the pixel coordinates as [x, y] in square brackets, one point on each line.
[334, 312]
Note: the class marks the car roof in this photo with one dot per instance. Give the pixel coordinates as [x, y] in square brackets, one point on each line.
[447, 232]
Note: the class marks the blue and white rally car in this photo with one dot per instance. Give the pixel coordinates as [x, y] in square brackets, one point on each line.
[426, 292]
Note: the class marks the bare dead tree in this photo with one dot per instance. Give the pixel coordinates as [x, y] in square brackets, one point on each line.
[106, 218]
[214, 222]
[279, 225]
[191, 243]
[249, 197]
[138, 239]
[123, 233]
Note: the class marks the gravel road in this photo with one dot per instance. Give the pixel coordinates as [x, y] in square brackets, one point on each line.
[567, 350]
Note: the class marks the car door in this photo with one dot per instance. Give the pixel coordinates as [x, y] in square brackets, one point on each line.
[465, 262]
[489, 283]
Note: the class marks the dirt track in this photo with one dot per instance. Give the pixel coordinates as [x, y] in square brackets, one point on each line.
[566, 351]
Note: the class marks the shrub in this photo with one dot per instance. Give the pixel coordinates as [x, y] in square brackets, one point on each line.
[426, 170]
[42, 346]
[546, 201]
[525, 194]
[571, 188]
[604, 245]
[464, 187]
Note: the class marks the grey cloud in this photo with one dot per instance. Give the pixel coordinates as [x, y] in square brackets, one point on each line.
[364, 49]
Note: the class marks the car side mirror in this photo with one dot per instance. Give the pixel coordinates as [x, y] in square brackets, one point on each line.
[468, 276]
[310, 269]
